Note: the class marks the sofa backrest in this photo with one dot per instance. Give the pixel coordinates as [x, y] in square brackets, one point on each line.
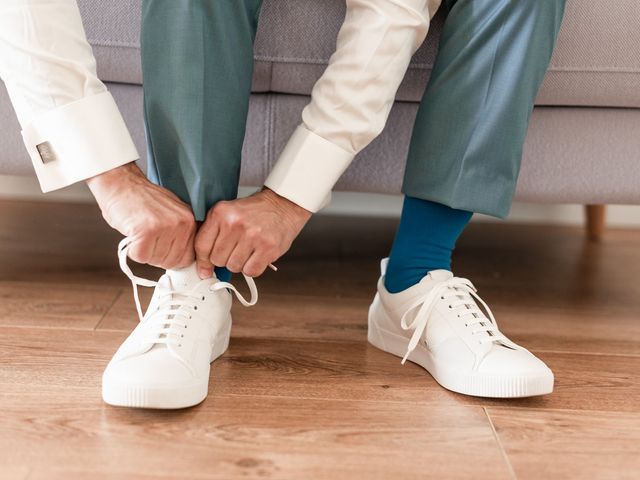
[596, 63]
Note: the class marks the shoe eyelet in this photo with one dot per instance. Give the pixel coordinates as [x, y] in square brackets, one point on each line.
[195, 307]
[202, 298]
[450, 307]
[441, 298]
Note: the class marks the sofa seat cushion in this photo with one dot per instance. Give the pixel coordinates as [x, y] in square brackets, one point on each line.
[597, 61]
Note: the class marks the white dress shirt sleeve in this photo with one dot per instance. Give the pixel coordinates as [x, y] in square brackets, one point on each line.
[351, 102]
[71, 125]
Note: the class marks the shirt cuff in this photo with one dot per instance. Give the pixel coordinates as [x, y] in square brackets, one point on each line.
[307, 169]
[77, 141]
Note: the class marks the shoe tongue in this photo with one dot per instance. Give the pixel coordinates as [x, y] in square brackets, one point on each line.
[185, 277]
[437, 276]
[402, 299]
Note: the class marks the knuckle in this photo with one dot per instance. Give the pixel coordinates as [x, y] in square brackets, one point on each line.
[234, 267]
[184, 263]
[252, 271]
[219, 208]
[185, 221]
[169, 264]
[215, 214]
[255, 234]
[272, 256]
[216, 259]
[233, 220]
[268, 243]
[138, 256]
[153, 226]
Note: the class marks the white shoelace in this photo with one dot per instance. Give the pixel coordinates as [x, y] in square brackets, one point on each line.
[171, 309]
[461, 293]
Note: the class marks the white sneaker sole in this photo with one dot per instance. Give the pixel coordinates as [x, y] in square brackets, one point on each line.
[468, 383]
[122, 394]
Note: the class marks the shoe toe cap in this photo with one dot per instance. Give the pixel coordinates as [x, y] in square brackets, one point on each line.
[502, 360]
[156, 367]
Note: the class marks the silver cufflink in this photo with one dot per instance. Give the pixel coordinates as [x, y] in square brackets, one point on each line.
[45, 150]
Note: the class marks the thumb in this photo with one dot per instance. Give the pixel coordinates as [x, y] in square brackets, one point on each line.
[205, 268]
[203, 243]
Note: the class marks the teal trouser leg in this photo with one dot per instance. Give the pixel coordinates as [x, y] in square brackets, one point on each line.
[197, 63]
[468, 136]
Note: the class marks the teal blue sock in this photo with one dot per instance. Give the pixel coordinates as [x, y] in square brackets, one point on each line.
[222, 274]
[424, 241]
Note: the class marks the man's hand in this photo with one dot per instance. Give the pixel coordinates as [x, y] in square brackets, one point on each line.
[162, 224]
[246, 235]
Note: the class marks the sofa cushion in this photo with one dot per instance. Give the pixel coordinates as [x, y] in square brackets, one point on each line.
[113, 29]
[597, 62]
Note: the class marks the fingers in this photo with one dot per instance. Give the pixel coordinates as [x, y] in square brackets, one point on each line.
[222, 248]
[161, 251]
[188, 252]
[203, 244]
[168, 245]
[141, 250]
[256, 264]
[244, 235]
[239, 257]
[180, 253]
[229, 224]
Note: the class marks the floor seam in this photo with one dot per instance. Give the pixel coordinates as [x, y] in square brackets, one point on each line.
[106, 312]
[597, 354]
[560, 410]
[426, 404]
[500, 446]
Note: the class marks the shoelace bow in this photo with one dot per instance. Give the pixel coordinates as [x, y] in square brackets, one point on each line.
[461, 293]
[170, 309]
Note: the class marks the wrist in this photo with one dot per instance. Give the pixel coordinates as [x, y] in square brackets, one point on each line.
[113, 179]
[284, 203]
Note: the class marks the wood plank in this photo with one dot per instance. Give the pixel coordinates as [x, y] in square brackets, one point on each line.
[300, 393]
[31, 359]
[275, 316]
[53, 418]
[344, 370]
[569, 445]
[569, 328]
[56, 242]
[238, 437]
[33, 304]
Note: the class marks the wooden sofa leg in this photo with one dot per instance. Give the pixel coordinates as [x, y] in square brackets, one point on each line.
[596, 221]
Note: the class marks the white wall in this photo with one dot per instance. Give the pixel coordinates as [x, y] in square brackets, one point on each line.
[355, 204]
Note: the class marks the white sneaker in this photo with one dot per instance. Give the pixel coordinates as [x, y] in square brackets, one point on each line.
[438, 325]
[165, 362]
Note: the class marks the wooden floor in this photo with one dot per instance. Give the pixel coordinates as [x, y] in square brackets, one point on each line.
[300, 394]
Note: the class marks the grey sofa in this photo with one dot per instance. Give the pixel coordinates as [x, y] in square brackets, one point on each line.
[584, 142]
